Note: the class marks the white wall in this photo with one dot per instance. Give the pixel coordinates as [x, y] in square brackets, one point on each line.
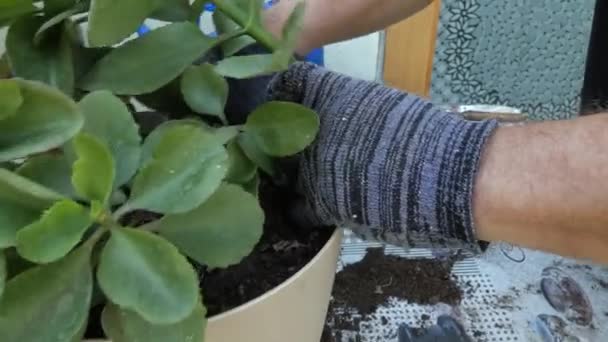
[359, 57]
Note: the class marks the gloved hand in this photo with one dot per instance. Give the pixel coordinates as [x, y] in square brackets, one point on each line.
[446, 330]
[390, 165]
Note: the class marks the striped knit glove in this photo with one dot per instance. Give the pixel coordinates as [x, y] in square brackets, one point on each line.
[389, 165]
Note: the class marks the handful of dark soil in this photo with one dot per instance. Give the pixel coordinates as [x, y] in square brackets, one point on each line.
[371, 282]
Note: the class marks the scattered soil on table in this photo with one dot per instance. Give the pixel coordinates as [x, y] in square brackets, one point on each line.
[371, 282]
[282, 251]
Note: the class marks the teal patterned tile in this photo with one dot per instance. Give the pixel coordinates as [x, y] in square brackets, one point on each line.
[528, 54]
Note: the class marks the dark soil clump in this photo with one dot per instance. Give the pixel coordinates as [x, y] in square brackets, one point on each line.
[371, 282]
[283, 250]
[368, 284]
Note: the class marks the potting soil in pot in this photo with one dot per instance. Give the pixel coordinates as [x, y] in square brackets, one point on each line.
[283, 250]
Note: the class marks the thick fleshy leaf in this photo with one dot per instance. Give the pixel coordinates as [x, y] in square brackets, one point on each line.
[155, 137]
[109, 119]
[49, 61]
[141, 271]
[284, 55]
[52, 7]
[282, 128]
[255, 154]
[13, 9]
[247, 66]
[50, 170]
[93, 172]
[45, 120]
[55, 234]
[21, 203]
[214, 234]
[166, 99]
[53, 298]
[86, 58]
[126, 326]
[188, 165]
[58, 19]
[10, 98]
[2, 272]
[105, 27]
[173, 10]
[204, 90]
[253, 185]
[145, 64]
[224, 25]
[241, 169]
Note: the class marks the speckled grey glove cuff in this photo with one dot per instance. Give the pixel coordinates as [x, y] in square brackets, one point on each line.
[390, 165]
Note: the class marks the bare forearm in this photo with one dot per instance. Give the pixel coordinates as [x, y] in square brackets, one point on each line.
[545, 186]
[327, 22]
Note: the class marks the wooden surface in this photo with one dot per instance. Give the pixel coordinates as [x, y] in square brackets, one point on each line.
[410, 49]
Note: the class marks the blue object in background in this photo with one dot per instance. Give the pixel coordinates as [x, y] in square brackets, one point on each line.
[317, 56]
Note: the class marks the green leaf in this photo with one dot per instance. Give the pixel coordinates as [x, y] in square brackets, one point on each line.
[104, 27]
[2, 272]
[10, 98]
[126, 326]
[173, 10]
[247, 66]
[145, 64]
[155, 137]
[57, 19]
[220, 232]
[85, 58]
[253, 185]
[48, 303]
[282, 128]
[93, 172]
[255, 154]
[50, 170]
[109, 119]
[241, 169]
[12, 9]
[166, 99]
[204, 90]
[291, 30]
[5, 68]
[52, 7]
[224, 25]
[143, 272]
[45, 120]
[21, 203]
[49, 62]
[53, 236]
[187, 167]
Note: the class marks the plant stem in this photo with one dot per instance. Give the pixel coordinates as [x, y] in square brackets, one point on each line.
[254, 30]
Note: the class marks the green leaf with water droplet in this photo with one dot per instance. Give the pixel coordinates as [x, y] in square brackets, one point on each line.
[282, 128]
[188, 165]
[50, 170]
[48, 303]
[53, 236]
[241, 169]
[93, 172]
[205, 91]
[45, 120]
[21, 203]
[109, 119]
[141, 271]
[212, 234]
[126, 326]
[10, 98]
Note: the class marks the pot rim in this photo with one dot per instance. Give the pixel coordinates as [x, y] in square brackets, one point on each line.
[336, 235]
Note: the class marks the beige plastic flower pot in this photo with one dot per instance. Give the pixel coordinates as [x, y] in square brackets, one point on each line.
[293, 311]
